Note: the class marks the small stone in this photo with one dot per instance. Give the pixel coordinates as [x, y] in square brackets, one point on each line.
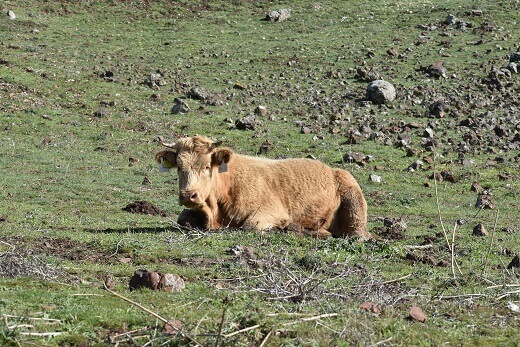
[484, 201]
[415, 165]
[144, 279]
[436, 69]
[514, 57]
[428, 132]
[247, 123]
[417, 314]
[515, 262]
[11, 15]
[480, 230]
[180, 106]
[241, 251]
[171, 283]
[240, 86]
[146, 181]
[451, 19]
[375, 178]
[109, 281]
[261, 111]
[370, 307]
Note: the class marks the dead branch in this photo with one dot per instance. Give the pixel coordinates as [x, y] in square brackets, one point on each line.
[242, 331]
[310, 319]
[490, 244]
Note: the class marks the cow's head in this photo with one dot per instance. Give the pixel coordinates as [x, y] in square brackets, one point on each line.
[198, 160]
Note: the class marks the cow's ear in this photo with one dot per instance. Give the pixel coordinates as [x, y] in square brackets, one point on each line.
[214, 145]
[166, 159]
[221, 156]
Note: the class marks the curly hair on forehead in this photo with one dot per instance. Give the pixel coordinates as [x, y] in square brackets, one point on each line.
[197, 144]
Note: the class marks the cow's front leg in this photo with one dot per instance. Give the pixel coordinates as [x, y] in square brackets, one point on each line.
[193, 218]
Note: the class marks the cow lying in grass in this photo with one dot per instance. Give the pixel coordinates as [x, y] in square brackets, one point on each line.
[221, 188]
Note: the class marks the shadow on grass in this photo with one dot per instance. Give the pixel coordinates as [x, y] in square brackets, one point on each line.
[134, 230]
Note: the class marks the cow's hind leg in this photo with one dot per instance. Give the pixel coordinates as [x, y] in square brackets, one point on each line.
[350, 218]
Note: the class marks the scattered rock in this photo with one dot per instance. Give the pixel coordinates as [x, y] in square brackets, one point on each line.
[417, 314]
[171, 283]
[180, 106]
[109, 281]
[265, 147]
[476, 187]
[371, 307]
[375, 178]
[358, 158]
[144, 279]
[438, 109]
[366, 74]
[428, 132]
[241, 252]
[247, 123]
[101, 113]
[11, 15]
[515, 262]
[155, 80]
[416, 165]
[485, 201]
[240, 86]
[436, 69]
[380, 92]
[480, 230]
[513, 307]
[146, 181]
[504, 176]
[3, 218]
[261, 111]
[156, 281]
[199, 94]
[144, 207]
[514, 57]
[278, 15]
[451, 19]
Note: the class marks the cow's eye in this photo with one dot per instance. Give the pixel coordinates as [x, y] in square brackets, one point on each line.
[208, 168]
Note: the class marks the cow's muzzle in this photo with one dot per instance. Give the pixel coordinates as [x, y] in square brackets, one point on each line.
[190, 198]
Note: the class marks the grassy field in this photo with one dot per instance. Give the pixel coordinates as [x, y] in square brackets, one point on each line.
[87, 88]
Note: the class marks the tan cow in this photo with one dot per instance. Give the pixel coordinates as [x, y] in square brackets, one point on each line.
[221, 188]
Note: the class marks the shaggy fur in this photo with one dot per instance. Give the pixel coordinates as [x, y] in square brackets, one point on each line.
[301, 194]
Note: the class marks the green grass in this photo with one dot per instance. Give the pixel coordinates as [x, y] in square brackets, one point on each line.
[68, 170]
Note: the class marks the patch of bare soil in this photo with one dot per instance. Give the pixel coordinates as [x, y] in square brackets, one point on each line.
[144, 207]
[60, 248]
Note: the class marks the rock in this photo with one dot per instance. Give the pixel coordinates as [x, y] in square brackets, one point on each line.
[278, 15]
[265, 147]
[171, 283]
[144, 279]
[146, 181]
[180, 106]
[241, 252]
[370, 307]
[247, 123]
[480, 230]
[155, 80]
[484, 201]
[476, 187]
[417, 314]
[428, 132]
[438, 109]
[261, 111]
[367, 74]
[514, 57]
[449, 176]
[11, 15]
[380, 92]
[451, 19]
[199, 94]
[515, 262]
[436, 69]
[109, 281]
[240, 86]
[354, 157]
[375, 178]
[415, 165]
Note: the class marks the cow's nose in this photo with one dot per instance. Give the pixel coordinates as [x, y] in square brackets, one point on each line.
[188, 196]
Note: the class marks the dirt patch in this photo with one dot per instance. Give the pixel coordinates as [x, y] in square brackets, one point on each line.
[60, 248]
[144, 207]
